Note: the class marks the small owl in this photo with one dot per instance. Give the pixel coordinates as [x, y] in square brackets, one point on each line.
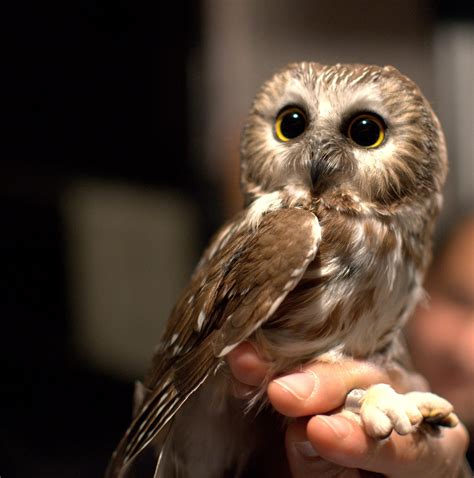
[342, 170]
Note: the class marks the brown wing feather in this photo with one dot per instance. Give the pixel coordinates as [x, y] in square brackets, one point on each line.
[243, 278]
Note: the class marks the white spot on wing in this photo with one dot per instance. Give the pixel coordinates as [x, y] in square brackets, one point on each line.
[275, 306]
[173, 339]
[289, 285]
[221, 241]
[297, 272]
[201, 319]
[316, 231]
[227, 349]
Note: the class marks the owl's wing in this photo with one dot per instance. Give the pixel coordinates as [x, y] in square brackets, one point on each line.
[243, 278]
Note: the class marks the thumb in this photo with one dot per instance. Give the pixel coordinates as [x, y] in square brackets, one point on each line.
[305, 461]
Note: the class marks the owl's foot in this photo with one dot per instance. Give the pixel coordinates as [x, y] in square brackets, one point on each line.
[383, 410]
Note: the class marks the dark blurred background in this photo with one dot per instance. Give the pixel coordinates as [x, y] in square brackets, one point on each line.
[119, 126]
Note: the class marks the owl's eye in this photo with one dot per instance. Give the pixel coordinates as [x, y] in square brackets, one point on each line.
[290, 123]
[367, 130]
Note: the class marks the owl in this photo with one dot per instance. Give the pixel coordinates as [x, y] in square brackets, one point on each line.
[341, 169]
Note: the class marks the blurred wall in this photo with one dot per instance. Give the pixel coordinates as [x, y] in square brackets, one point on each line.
[454, 101]
[131, 251]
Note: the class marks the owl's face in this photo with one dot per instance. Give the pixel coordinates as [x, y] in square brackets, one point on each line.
[363, 130]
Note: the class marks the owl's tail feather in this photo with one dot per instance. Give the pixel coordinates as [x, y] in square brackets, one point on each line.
[175, 386]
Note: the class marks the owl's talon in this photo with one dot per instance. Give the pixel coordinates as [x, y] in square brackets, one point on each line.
[449, 421]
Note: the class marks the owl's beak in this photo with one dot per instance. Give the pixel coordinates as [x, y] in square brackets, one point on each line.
[314, 171]
[324, 168]
[321, 169]
[316, 165]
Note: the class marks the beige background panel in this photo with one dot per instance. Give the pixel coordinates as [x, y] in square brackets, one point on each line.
[131, 251]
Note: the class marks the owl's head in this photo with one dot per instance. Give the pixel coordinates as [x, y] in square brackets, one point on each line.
[366, 130]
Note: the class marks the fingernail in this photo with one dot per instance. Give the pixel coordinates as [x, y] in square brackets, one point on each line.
[300, 385]
[340, 426]
[306, 449]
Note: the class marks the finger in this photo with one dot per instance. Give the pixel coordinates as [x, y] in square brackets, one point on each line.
[322, 387]
[246, 365]
[344, 442]
[303, 459]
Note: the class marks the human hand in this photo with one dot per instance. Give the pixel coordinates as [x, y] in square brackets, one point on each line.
[319, 435]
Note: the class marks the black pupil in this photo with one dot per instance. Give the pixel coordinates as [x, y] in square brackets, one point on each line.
[365, 132]
[293, 124]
